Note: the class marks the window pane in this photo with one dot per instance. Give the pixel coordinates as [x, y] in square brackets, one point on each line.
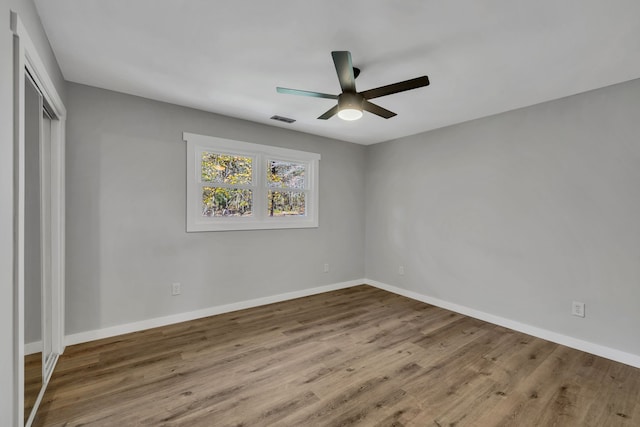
[286, 203]
[224, 168]
[226, 202]
[285, 174]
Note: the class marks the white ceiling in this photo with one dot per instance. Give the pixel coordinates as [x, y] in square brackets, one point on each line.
[482, 56]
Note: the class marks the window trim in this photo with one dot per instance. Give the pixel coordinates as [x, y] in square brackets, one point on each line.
[195, 222]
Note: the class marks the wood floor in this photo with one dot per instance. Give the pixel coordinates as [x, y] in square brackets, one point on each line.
[359, 356]
[32, 381]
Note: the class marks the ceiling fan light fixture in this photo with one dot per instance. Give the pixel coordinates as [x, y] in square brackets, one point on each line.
[350, 114]
[350, 106]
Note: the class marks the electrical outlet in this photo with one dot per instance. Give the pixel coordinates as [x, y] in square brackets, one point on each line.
[326, 268]
[401, 270]
[176, 289]
[577, 308]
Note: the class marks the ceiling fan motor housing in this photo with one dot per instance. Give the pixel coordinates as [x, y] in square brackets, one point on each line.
[350, 100]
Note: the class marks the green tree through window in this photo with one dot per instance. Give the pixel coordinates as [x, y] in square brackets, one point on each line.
[230, 198]
[284, 178]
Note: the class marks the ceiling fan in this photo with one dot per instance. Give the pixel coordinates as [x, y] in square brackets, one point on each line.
[350, 102]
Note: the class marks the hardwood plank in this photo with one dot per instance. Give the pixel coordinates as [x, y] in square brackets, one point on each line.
[354, 357]
[32, 381]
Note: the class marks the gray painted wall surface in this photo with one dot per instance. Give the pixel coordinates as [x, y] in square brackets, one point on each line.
[126, 239]
[519, 214]
[31, 21]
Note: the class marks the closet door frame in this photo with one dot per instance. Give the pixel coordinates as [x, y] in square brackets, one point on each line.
[26, 59]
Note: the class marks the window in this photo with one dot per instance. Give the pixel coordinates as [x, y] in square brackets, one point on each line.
[234, 185]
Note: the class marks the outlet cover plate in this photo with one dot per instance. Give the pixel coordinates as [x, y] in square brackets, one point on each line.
[176, 289]
[577, 308]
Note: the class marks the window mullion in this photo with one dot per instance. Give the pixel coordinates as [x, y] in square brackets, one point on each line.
[259, 193]
[225, 185]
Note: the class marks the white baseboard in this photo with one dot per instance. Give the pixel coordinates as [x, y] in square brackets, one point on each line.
[578, 344]
[32, 347]
[112, 331]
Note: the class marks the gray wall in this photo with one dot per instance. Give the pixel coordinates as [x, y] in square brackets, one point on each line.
[30, 19]
[519, 214]
[126, 239]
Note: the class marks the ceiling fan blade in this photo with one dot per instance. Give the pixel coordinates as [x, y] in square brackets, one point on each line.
[377, 110]
[344, 68]
[396, 87]
[305, 93]
[332, 112]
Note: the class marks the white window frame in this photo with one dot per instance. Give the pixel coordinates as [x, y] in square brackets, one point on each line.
[259, 220]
